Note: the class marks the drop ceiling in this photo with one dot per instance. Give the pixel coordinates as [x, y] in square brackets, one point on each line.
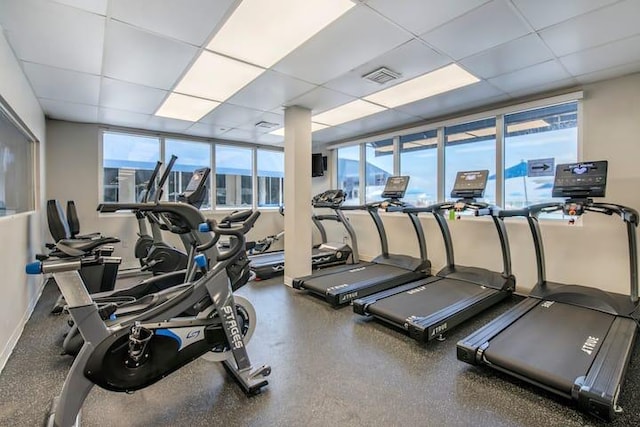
[115, 61]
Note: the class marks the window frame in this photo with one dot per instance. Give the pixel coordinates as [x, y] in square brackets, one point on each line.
[187, 138]
[439, 126]
[255, 177]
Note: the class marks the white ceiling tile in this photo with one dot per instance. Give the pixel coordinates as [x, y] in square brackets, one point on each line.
[63, 85]
[419, 16]
[130, 97]
[191, 21]
[379, 121]
[69, 111]
[139, 57]
[93, 6]
[459, 98]
[487, 26]
[542, 13]
[511, 56]
[537, 75]
[266, 117]
[333, 134]
[269, 91]
[206, 130]
[595, 28]
[610, 73]
[321, 99]
[410, 60]
[269, 139]
[54, 34]
[603, 57]
[123, 118]
[361, 34]
[545, 87]
[242, 135]
[229, 115]
[168, 125]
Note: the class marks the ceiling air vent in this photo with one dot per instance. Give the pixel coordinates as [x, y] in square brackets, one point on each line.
[266, 125]
[381, 75]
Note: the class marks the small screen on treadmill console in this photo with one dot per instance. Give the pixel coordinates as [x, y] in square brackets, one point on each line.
[470, 184]
[395, 187]
[195, 180]
[586, 179]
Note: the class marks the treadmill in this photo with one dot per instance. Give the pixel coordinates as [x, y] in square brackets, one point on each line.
[271, 264]
[339, 286]
[575, 341]
[428, 308]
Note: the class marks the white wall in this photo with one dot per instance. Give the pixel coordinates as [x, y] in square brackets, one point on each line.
[72, 174]
[21, 233]
[593, 253]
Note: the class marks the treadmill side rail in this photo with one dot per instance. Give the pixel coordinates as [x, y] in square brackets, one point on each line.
[597, 393]
[471, 348]
[426, 328]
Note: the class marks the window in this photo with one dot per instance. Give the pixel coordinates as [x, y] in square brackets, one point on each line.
[471, 146]
[191, 156]
[419, 160]
[234, 170]
[378, 167]
[16, 169]
[270, 178]
[127, 162]
[349, 173]
[549, 133]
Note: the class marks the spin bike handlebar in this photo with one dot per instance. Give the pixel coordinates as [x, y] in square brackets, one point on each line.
[227, 229]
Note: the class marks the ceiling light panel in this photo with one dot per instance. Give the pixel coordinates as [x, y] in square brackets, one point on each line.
[436, 82]
[263, 32]
[347, 112]
[184, 107]
[314, 127]
[216, 77]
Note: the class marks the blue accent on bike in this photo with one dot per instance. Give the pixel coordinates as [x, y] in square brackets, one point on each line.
[112, 317]
[168, 333]
[204, 227]
[34, 267]
[201, 260]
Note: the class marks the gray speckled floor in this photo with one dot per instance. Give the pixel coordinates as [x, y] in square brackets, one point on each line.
[330, 367]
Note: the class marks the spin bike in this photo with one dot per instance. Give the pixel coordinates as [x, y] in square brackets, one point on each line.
[142, 349]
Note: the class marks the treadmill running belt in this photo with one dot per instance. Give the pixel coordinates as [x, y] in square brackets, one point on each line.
[552, 344]
[371, 273]
[272, 258]
[424, 300]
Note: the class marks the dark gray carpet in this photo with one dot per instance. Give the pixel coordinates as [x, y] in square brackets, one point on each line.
[330, 368]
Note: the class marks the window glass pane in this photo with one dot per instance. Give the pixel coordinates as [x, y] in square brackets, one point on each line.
[378, 167]
[270, 178]
[349, 173]
[16, 170]
[419, 160]
[545, 133]
[191, 156]
[233, 176]
[127, 162]
[471, 146]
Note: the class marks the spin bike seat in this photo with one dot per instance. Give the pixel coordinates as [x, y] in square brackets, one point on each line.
[80, 247]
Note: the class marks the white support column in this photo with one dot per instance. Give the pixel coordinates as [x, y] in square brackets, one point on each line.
[297, 193]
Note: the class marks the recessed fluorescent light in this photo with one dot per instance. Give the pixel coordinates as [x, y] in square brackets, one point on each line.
[314, 127]
[347, 112]
[216, 77]
[263, 32]
[184, 107]
[430, 84]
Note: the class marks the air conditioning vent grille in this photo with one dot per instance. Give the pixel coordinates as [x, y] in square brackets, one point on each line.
[266, 125]
[381, 76]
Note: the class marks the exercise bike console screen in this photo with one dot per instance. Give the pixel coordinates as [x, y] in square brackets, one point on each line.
[198, 176]
[470, 184]
[395, 187]
[580, 180]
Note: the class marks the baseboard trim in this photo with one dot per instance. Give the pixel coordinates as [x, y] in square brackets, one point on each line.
[17, 332]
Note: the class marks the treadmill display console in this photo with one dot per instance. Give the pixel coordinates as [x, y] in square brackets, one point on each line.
[470, 184]
[395, 187]
[580, 180]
